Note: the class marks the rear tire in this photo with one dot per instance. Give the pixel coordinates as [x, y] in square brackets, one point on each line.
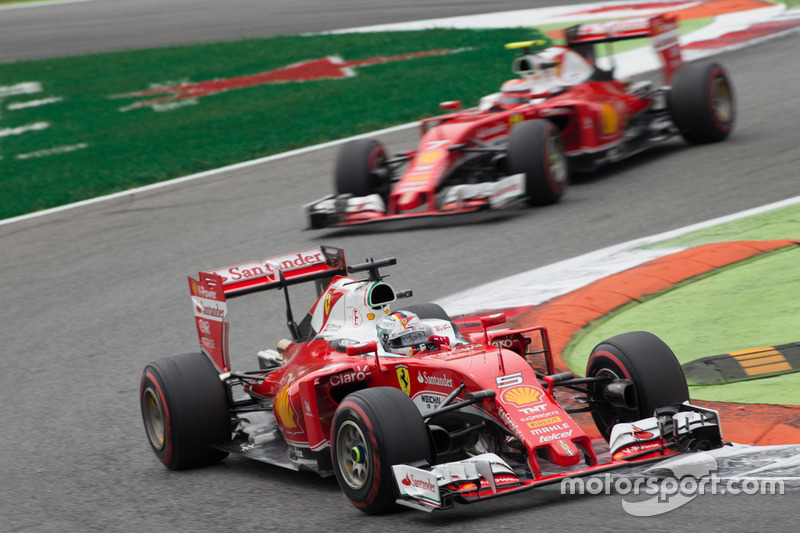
[702, 102]
[651, 365]
[372, 430]
[361, 169]
[535, 149]
[185, 410]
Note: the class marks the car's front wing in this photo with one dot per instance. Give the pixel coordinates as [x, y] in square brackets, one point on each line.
[484, 479]
[674, 430]
[346, 210]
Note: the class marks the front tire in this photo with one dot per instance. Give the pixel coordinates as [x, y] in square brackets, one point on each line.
[647, 361]
[372, 430]
[702, 102]
[535, 149]
[361, 169]
[185, 410]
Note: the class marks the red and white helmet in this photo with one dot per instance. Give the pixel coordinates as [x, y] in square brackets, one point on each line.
[515, 92]
[402, 333]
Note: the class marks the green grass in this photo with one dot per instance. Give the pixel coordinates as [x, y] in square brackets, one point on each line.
[143, 146]
[90, 147]
[695, 318]
[746, 305]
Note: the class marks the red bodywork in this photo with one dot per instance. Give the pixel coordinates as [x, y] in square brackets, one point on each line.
[314, 377]
[593, 117]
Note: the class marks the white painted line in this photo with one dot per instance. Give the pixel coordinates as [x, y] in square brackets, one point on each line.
[34, 103]
[27, 87]
[641, 63]
[52, 151]
[545, 283]
[46, 3]
[526, 17]
[206, 174]
[5, 132]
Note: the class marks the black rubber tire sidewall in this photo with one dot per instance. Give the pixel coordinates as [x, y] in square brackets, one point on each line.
[355, 166]
[396, 434]
[691, 103]
[652, 366]
[195, 407]
[528, 153]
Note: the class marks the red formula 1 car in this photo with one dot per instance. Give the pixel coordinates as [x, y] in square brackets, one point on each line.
[564, 114]
[403, 407]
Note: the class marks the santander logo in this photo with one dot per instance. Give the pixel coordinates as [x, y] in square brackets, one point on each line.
[411, 481]
[640, 434]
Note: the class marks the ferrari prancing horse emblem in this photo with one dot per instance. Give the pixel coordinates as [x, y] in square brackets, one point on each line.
[402, 378]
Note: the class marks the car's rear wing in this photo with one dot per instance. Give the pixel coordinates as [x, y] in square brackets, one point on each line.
[662, 30]
[212, 288]
[298, 267]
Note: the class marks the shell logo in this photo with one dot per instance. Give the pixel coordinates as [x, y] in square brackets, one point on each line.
[430, 156]
[522, 395]
[611, 121]
[284, 410]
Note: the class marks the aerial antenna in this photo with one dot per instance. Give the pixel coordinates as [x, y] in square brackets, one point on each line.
[372, 267]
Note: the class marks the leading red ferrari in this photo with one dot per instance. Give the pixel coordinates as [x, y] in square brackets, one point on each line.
[402, 406]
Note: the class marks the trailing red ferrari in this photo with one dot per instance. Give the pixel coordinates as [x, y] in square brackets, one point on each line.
[403, 406]
[563, 114]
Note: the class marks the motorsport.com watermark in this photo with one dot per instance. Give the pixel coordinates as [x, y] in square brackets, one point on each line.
[668, 493]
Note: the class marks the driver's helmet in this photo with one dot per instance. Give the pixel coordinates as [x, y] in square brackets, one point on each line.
[539, 69]
[402, 333]
[514, 93]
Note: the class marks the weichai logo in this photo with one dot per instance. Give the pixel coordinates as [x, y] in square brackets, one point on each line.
[325, 68]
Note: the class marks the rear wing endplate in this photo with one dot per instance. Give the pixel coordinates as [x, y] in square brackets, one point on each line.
[662, 29]
[212, 288]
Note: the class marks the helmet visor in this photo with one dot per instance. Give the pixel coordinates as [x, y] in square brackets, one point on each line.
[412, 338]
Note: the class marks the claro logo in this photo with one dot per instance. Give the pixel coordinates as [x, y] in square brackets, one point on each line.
[202, 292]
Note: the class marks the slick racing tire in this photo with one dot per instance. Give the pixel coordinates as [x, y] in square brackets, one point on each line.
[702, 102]
[535, 149]
[649, 363]
[372, 430]
[185, 410]
[361, 169]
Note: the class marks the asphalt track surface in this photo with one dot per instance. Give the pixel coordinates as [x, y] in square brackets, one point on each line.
[91, 295]
[90, 26]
